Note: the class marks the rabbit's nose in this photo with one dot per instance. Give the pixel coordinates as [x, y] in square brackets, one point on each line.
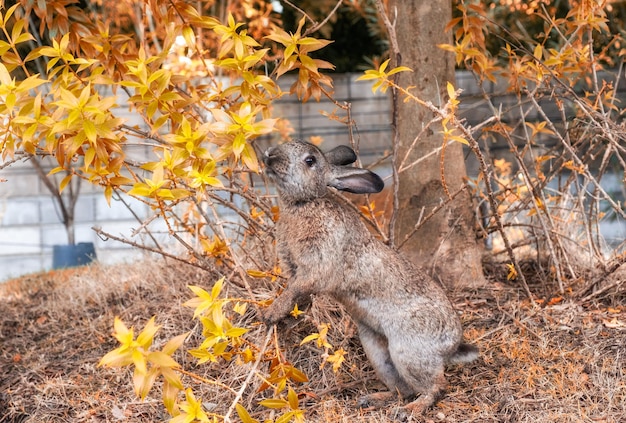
[269, 155]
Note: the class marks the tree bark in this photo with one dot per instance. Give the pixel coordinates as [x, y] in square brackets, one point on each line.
[446, 245]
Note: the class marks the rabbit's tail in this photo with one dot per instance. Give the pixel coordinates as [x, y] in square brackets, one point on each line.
[465, 353]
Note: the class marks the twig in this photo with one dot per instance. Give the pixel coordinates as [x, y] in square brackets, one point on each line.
[105, 236]
[306, 15]
[204, 380]
[426, 127]
[537, 195]
[396, 59]
[619, 261]
[520, 323]
[371, 217]
[15, 160]
[251, 373]
[239, 267]
[143, 225]
[434, 211]
[577, 160]
[317, 26]
[433, 152]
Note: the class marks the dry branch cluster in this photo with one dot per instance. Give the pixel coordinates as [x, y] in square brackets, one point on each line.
[563, 177]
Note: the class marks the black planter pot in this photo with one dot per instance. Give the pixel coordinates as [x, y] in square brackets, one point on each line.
[73, 255]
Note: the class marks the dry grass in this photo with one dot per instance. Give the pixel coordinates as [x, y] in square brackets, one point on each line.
[558, 363]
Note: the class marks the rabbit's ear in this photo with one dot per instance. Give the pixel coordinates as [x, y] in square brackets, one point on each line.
[355, 180]
[341, 155]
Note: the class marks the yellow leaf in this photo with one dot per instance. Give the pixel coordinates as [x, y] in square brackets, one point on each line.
[239, 143]
[512, 272]
[9, 13]
[115, 358]
[140, 190]
[120, 180]
[244, 415]
[108, 194]
[64, 182]
[161, 359]
[399, 69]
[337, 359]
[383, 66]
[249, 158]
[217, 288]
[90, 131]
[451, 91]
[143, 382]
[190, 37]
[542, 159]
[120, 329]
[90, 154]
[65, 41]
[30, 83]
[296, 312]
[174, 344]
[240, 308]
[571, 166]
[367, 76]
[311, 337]
[147, 334]
[170, 394]
[178, 193]
[236, 332]
[293, 399]
[459, 139]
[257, 273]
[247, 355]
[286, 418]
[298, 376]
[274, 403]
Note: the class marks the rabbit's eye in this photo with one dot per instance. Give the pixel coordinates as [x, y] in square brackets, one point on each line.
[310, 161]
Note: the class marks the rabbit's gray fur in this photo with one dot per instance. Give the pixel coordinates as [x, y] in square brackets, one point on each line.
[407, 325]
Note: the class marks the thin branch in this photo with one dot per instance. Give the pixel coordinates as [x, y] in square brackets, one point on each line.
[306, 15]
[105, 236]
[421, 221]
[396, 59]
[578, 161]
[316, 27]
[251, 373]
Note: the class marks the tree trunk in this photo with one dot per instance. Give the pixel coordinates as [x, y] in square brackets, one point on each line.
[446, 245]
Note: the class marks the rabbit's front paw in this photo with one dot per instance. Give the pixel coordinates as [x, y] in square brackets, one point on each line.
[271, 316]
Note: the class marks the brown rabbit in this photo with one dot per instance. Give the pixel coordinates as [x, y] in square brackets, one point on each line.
[406, 324]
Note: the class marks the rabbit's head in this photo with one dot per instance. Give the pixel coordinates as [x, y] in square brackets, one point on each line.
[302, 172]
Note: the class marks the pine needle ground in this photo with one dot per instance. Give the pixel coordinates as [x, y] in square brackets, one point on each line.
[559, 362]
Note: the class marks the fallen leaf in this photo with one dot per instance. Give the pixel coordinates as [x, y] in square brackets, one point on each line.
[614, 323]
[118, 413]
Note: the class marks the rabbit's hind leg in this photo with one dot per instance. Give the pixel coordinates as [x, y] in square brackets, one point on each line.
[428, 397]
[376, 349]
[424, 373]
